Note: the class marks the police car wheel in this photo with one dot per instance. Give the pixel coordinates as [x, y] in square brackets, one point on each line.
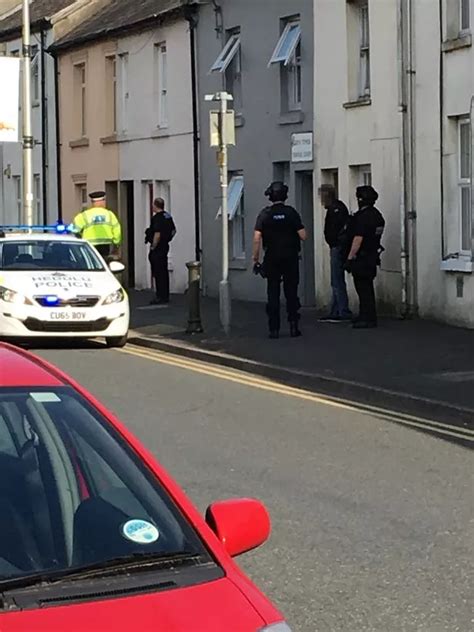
[116, 341]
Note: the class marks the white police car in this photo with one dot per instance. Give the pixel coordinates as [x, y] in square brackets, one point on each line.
[53, 284]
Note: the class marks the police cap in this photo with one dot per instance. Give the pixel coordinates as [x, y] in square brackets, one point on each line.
[277, 192]
[97, 196]
[366, 193]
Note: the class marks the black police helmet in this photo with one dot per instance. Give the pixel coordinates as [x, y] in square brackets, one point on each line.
[367, 194]
[277, 192]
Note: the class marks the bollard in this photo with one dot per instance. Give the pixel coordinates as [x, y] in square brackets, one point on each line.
[194, 294]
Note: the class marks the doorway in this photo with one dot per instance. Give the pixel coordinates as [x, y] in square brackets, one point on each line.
[305, 202]
[127, 220]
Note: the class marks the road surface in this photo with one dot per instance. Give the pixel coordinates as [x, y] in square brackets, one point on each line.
[373, 522]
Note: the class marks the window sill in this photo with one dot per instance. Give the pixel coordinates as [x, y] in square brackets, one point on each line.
[80, 142]
[464, 40]
[109, 140]
[291, 118]
[359, 103]
[238, 264]
[239, 120]
[461, 264]
[161, 132]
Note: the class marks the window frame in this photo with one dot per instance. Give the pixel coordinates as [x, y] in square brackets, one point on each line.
[227, 54]
[18, 183]
[464, 8]
[161, 74]
[37, 196]
[277, 55]
[364, 79]
[80, 82]
[237, 219]
[111, 94]
[35, 75]
[124, 90]
[233, 72]
[464, 184]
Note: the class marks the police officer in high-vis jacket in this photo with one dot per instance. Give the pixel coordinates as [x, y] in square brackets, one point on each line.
[280, 229]
[99, 225]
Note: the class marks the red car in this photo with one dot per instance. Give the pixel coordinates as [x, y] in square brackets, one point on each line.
[94, 534]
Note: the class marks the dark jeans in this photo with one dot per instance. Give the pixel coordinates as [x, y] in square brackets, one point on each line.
[159, 268]
[340, 300]
[364, 286]
[286, 270]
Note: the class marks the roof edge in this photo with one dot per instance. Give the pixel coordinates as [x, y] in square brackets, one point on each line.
[98, 37]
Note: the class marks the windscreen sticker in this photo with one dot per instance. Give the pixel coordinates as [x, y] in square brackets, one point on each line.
[45, 398]
[72, 281]
[140, 531]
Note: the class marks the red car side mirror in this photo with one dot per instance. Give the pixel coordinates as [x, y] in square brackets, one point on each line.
[241, 525]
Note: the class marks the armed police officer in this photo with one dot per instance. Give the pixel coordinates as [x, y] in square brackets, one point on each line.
[280, 229]
[159, 235]
[367, 229]
[99, 226]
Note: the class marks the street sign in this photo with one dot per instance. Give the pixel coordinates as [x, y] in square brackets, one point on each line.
[302, 147]
[10, 101]
[228, 131]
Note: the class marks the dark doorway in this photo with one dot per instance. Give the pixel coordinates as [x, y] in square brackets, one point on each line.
[305, 203]
[127, 219]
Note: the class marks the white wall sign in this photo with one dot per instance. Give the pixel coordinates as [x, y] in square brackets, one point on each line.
[302, 147]
[9, 102]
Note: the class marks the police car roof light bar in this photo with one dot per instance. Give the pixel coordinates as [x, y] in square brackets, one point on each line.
[57, 228]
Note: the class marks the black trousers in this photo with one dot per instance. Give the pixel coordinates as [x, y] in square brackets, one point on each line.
[159, 269]
[104, 249]
[286, 270]
[364, 286]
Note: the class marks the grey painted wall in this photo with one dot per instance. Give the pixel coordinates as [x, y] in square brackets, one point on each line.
[264, 136]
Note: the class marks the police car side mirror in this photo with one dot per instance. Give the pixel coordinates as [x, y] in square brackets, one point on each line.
[116, 267]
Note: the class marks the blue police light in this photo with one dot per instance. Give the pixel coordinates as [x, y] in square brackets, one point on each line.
[61, 228]
[51, 300]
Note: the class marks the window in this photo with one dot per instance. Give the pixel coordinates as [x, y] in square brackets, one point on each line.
[81, 196]
[49, 255]
[287, 44]
[288, 55]
[233, 74]
[464, 15]
[85, 475]
[35, 78]
[464, 170]
[37, 194]
[125, 96]
[163, 190]
[227, 54]
[359, 175]
[80, 90]
[161, 66]
[111, 94]
[17, 184]
[364, 50]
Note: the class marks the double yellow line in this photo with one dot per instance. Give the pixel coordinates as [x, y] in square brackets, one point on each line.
[239, 377]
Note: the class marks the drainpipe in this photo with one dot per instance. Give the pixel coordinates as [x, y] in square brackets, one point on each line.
[402, 108]
[44, 129]
[444, 254]
[412, 287]
[191, 17]
[408, 254]
[471, 118]
[58, 136]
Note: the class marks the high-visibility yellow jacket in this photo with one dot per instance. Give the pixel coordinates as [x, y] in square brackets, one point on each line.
[98, 226]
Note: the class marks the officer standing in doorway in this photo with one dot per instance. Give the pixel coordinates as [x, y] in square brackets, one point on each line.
[364, 256]
[280, 229]
[99, 226]
[161, 231]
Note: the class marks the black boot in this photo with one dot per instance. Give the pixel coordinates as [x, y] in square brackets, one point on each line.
[295, 330]
[274, 334]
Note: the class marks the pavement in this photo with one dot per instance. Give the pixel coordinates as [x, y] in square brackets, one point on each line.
[411, 366]
[372, 521]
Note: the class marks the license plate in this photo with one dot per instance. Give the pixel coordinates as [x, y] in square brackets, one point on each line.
[67, 315]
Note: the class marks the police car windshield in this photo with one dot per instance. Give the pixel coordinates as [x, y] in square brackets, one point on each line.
[44, 254]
